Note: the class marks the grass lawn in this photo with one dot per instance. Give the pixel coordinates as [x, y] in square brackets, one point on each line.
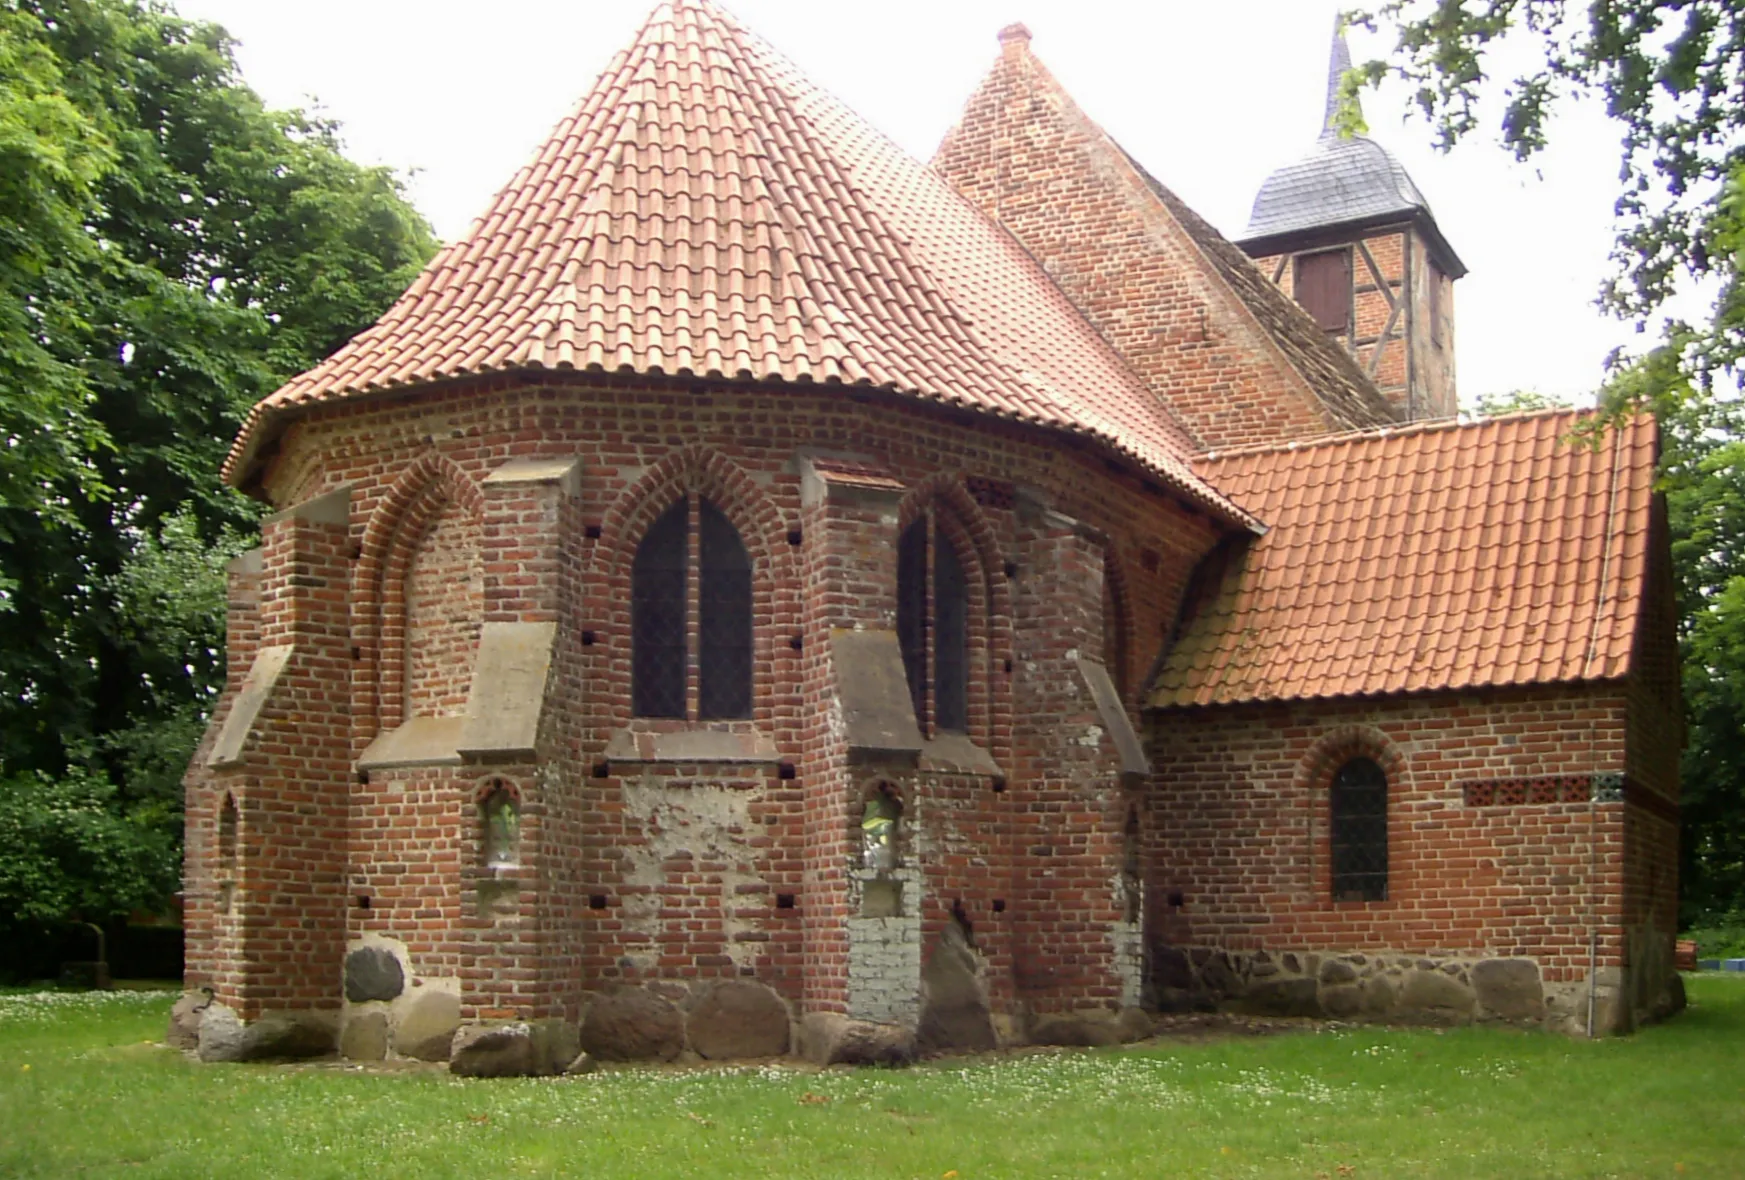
[85, 1090]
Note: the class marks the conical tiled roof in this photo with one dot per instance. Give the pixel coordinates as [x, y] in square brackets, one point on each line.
[708, 212]
[1343, 180]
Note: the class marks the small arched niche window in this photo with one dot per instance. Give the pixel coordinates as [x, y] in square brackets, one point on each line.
[1360, 831]
[500, 818]
[227, 835]
[933, 626]
[880, 830]
[672, 631]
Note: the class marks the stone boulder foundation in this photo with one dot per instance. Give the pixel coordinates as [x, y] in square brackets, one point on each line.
[276, 1036]
[1075, 1029]
[364, 1037]
[493, 1051]
[1509, 989]
[954, 1004]
[184, 1028]
[735, 1019]
[373, 973]
[830, 1038]
[425, 1027]
[633, 1024]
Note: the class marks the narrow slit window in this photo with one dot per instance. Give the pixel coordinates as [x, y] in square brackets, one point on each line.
[502, 824]
[1360, 832]
[227, 834]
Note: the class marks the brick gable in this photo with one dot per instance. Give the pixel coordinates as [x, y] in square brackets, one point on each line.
[1235, 358]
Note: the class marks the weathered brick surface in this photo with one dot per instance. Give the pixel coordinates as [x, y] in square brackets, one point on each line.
[1028, 157]
[1239, 831]
[647, 868]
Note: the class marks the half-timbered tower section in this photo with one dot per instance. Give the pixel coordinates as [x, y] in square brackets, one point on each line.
[1346, 233]
[750, 596]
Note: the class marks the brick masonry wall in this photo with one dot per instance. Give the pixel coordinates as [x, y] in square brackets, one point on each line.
[1239, 829]
[210, 940]
[1027, 156]
[269, 922]
[648, 867]
[641, 866]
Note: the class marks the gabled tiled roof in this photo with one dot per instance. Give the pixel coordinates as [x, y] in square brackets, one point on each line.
[708, 212]
[1432, 557]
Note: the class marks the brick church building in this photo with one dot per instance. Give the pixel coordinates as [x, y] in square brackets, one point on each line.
[758, 593]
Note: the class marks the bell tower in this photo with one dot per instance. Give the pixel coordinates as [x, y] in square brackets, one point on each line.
[1346, 233]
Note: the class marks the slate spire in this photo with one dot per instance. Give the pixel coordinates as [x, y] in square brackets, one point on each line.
[1338, 63]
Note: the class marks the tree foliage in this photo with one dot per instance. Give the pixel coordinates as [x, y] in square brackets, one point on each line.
[1671, 74]
[170, 250]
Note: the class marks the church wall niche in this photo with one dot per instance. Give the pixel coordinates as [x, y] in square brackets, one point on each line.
[444, 597]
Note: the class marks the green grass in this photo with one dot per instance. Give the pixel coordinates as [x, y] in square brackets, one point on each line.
[83, 1092]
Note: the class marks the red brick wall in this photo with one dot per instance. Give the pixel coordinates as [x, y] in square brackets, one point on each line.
[1028, 157]
[680, 895]
[276, 940]
[1239, 827]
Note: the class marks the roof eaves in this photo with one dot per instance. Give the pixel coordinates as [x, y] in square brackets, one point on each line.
[1308, 237]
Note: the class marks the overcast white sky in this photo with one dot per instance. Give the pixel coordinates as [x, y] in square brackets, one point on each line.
[1210, 97]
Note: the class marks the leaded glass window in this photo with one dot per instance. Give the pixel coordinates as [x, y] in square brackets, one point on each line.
[912, 611]
[1360, 832]
[663, 637]
[657, 615]
[933, 630]
[951, 639]
[723, 619]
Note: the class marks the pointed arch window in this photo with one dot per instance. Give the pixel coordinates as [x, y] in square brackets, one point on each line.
[1360, 831]
[933, 626]
[690, 617]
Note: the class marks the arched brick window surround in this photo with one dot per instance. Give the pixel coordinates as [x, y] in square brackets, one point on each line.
[390, 542]
[1313, 783]
[959, 520]
[775, 602]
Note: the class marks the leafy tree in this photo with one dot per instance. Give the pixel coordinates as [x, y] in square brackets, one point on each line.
[1672, 75]
[170, 251]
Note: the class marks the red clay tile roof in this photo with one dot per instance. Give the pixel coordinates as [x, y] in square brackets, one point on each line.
[1441, 556]
[708, 212]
